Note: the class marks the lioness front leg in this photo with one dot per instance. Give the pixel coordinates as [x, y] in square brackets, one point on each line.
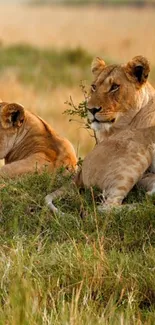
[148, 183]
[120, 187]
[113, 200]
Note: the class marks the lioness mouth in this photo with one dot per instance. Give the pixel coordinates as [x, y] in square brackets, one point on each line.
[107, 121]
[112, 121]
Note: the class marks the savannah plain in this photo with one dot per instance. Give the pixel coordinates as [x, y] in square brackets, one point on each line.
[116, 34]
[82, 268]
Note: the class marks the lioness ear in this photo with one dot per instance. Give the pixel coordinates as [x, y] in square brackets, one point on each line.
[97, 66]
[138, 69]
[11, 115]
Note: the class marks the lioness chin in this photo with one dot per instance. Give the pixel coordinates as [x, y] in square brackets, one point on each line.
[28, 143]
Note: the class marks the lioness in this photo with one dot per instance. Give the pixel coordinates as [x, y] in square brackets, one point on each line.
[119, 96]
[28, 143]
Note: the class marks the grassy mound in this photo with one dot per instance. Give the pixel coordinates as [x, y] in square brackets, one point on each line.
[79, 268]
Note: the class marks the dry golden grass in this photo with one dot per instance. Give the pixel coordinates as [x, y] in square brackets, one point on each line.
[116, 33]
[50, 106]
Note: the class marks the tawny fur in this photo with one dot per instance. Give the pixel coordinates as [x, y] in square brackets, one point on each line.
[117, 163]
[28, 143]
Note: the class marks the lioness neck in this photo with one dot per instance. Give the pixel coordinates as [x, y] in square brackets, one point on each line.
[146, 94]
[146, 114]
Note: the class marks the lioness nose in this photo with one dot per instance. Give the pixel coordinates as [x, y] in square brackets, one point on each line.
[94, 110]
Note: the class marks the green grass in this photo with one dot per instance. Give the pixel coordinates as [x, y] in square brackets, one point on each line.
[79, 268]
[45, 68]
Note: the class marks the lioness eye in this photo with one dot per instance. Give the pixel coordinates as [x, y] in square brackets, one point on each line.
[114, 87]
[93, 87]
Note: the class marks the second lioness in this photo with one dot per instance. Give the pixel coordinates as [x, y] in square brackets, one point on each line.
[28, 143]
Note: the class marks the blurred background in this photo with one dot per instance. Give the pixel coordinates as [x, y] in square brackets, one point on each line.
[46, 49]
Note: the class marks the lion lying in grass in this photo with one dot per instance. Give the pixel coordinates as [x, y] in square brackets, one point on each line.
[121, 104]
[27, 143]
[121, 96]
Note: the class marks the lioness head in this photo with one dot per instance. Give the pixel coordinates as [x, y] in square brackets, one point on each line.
[117, 93]
[11, 119]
